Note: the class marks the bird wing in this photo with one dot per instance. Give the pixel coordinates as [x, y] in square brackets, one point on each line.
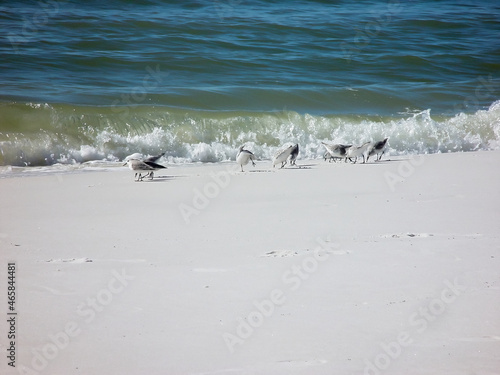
[153, 165]
[153, 158]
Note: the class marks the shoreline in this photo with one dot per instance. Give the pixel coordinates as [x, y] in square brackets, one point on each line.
[10, 171]
[411, 132]
[377, 268]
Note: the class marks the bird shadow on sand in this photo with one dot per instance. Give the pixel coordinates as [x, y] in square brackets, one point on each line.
[160, 179]
[309, 166]
[302, 166]
[366, 163]
[386, 161]
[257, 171]
[297, 166]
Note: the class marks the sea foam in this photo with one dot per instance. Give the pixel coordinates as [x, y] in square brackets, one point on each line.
[63, 134]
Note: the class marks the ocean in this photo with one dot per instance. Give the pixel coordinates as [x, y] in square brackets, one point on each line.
[90, 81]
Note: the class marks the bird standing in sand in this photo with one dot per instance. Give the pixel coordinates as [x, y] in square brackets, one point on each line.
[335, 151]
[294, 154]
[147, 165]
[377, 148]
[244, 156]
[282, 155]
[357, 151]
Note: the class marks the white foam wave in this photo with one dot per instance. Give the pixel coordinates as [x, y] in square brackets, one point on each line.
[201, 138]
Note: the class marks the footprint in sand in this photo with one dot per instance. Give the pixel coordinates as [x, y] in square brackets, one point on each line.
[404, 235]
[426, 235]
[281, 253]
[72, 260]
[293, 253]
[88, 260]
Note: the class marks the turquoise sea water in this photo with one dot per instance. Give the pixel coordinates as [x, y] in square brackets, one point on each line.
[97, 80]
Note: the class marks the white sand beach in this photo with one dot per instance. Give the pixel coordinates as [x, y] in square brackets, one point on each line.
[331, 268]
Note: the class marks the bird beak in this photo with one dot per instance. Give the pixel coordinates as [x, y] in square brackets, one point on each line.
[124, 164]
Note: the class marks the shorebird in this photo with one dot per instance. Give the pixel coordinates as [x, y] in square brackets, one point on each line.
[282, 155]
[294, 154]
[377, 148]
[144, 165]
[335, 151]
[139, 156]
[357, 151]
[154, 158]
[136, 155]
[244, 156]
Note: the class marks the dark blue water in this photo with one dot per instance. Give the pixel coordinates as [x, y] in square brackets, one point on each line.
[104, 76]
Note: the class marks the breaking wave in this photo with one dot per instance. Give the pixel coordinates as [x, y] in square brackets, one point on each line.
[41, 134]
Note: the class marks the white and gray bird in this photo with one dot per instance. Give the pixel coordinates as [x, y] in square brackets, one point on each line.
[153, 158]
[335, 151]
[244, 156]
[147, 165]
[281, 156]
[377, 148]
[294, 154]
[357, 151]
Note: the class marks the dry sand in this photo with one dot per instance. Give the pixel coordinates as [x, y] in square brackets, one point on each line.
[383, 268]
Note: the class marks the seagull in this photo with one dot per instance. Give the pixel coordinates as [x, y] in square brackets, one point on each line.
[357, 151]
[335, 151]
[136, 155]
[282, 155]
[244, 156]
[139, 156]
[293, 155]
[154, 158]
[143, 165]
[377, 148]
